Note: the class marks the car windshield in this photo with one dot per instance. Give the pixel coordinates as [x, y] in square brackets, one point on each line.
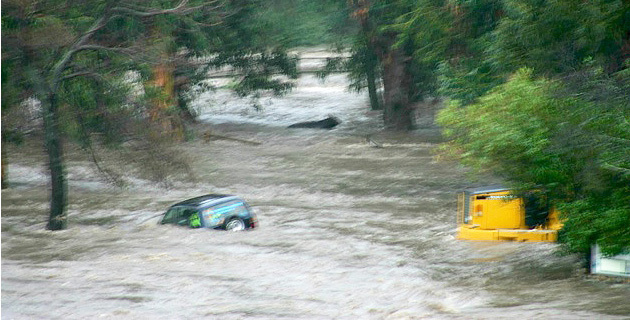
[178, 215]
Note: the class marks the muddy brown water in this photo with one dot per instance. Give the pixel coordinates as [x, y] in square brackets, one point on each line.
[347, 231]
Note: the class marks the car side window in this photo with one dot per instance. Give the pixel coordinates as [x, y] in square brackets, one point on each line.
[216, 214]
[235, 207]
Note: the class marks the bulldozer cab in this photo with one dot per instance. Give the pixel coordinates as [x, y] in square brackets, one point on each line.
[495, 213]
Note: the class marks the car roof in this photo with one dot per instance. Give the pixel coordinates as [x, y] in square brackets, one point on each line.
[488, 189]
[205, 199]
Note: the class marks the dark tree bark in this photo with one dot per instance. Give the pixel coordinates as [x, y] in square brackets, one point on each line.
[397, 106]
[370, 57]
[58, 199]
[370, 71]
[54, 148]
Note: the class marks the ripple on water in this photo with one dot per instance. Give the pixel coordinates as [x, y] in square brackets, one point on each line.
[346, 232]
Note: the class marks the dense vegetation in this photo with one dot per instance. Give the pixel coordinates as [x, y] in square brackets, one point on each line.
[537, 90]
[540, 95]
[125, 69]
[537, 93]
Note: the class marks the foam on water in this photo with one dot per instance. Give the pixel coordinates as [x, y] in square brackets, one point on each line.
[346, 232]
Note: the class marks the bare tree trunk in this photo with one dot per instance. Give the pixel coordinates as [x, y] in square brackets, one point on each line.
[398, 110]
[181, 84]
[370, 71]
[58, 218]
[54, 148]
[370, 65]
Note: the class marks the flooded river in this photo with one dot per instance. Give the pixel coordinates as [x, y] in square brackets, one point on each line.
[347, 231]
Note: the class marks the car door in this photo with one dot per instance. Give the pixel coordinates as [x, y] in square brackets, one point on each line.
[217, 215]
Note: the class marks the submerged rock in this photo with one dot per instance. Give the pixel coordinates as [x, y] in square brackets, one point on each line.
[328, 123]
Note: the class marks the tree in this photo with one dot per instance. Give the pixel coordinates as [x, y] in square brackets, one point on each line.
[62, 38]
[573, 148]
[364, 62]
[73, 56]
[300, 23]
[559, 37]
[450, 41]
[402, 79]
[381, 54]
[560, 125]
[238, 37]
[468, 69]
[362, 66]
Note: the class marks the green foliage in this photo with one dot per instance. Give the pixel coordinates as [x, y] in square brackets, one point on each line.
[385, 26]
[473, 45]
[257, 70]
[39, 35]
[573, 147]
[74, 56]
[466, 80]
[452, 38]
[297, 23]
[556, 36]
[362, 59]
[600, 217]
[427, 26]
[507, 131]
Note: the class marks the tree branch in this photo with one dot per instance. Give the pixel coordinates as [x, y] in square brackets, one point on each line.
[67, 57]
[83, 73]
[616, 139]
[81, 43]
[179, 9]
[104, 48]
[624, 171]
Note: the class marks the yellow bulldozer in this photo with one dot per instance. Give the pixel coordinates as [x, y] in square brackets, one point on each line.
[496, 214]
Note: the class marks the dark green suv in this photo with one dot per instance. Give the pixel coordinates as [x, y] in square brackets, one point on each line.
[214, 211]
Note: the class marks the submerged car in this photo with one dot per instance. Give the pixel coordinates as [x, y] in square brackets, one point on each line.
[214, 211]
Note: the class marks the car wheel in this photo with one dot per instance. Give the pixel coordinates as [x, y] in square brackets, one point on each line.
[235, 224]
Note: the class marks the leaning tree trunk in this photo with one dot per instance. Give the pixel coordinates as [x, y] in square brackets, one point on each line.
[398, 110]
[46, 93]
[370, 67]
[54, 146]
[370, 71]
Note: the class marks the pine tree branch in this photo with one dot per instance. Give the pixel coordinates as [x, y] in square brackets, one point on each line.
[616, 139]
[111, 176]
[81, 74]
[76, 47]
[181, 8]
[91, 74]
[104, 48]
[110, 12]
[624, 171]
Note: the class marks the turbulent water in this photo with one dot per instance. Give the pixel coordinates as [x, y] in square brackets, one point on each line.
[347, 231]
